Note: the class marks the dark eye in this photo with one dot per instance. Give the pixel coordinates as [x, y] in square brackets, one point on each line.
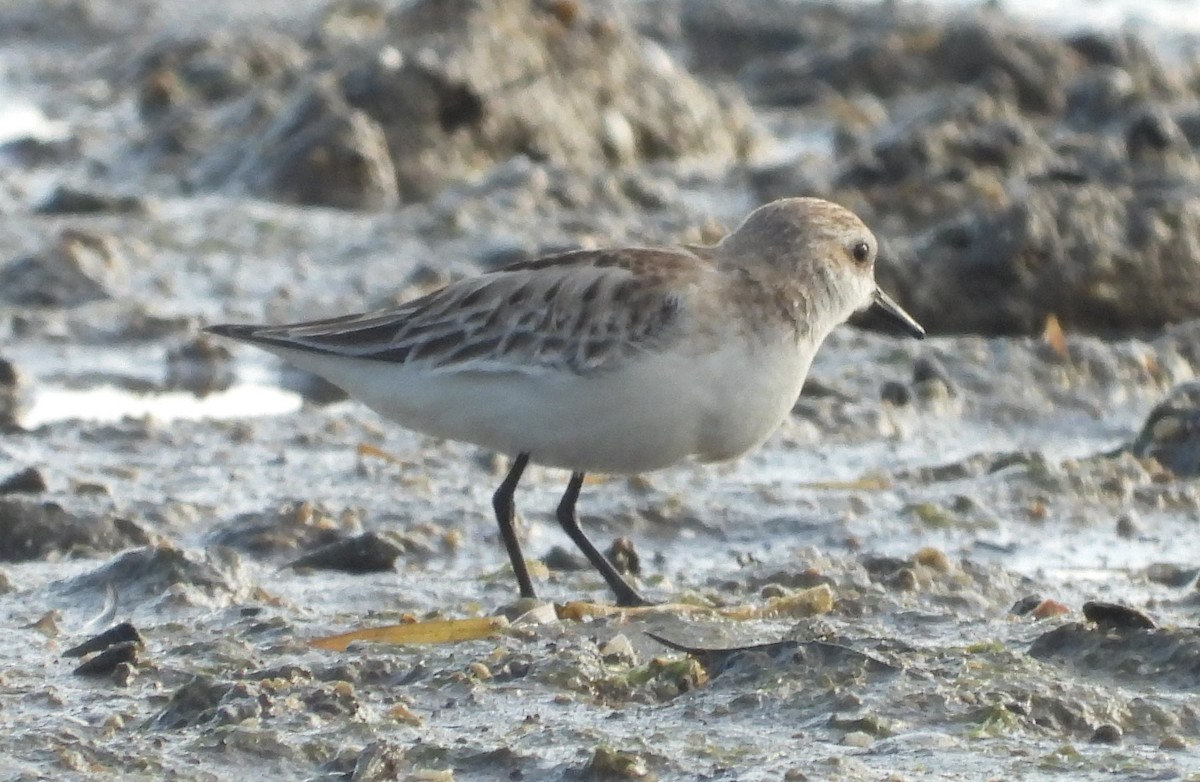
[861, 252]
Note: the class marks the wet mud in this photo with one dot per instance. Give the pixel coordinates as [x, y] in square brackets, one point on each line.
[969, 557]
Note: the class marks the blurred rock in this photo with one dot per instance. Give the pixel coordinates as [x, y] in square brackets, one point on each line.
[10, 395]
[150, 571]
[78, 268]
[1171, 433]
[69, 200]
[175, 72]
[200, 365]
[37, 530]
[319, 151]
[369, 552]
[442, 92]
[285, 530]
[1097, 257]
[27, 481]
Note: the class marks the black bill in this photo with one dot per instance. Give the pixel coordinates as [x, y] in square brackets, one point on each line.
[885, 303]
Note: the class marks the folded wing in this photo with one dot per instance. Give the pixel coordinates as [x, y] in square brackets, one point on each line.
[581, 312]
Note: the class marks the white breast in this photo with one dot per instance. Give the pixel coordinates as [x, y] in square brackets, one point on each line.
[652, 411]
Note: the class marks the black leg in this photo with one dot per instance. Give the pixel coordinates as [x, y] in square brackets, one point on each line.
[626, 594]
[502, 501]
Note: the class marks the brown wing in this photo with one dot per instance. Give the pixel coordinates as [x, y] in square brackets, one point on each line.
[579, 311]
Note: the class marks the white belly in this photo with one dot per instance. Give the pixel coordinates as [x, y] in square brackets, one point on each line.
[647, 414]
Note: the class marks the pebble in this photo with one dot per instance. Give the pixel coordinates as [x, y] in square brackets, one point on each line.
[1117, 616]
[107, 662]
[27, 481]
[1107, 734]
[369, 552]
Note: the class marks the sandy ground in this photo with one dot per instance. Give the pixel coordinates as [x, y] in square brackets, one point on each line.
[898, 578]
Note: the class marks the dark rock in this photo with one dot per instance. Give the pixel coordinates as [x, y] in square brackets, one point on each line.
[1106, 734]
[880, 568]
[1025, 605]
[1038, 66]
[68, 200]
[1172, 575]
[78, 268]
[1128, 526]
[27, 481]
[37, 530]
[107, 662]
[10, 395]
[31, 152]
[369, 552]
[895, 393]
[1117, 616]
[117, 634]
[562, 559]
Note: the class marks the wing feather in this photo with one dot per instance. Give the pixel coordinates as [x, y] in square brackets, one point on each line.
[581, 312]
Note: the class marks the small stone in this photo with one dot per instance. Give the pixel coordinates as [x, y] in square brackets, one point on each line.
[1106, 734]
[80, 267]
[930, 378]
[934, 558]
[369, 552]
[10, 395]
[117, 634]
[106, 662]
[1025, 605]
[1128, 526]
[905, 580]
[1173, 743]
[27, 481]
[562, 559]
[1114, 615]
[201, 365]
[124, 674]
[69, 200]
[896, 394]
[624, 557]
[1171, 575]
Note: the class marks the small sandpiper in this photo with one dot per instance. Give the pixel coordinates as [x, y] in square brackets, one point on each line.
[618, 360]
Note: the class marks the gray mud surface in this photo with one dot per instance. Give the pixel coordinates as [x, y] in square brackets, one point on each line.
[970, 557]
